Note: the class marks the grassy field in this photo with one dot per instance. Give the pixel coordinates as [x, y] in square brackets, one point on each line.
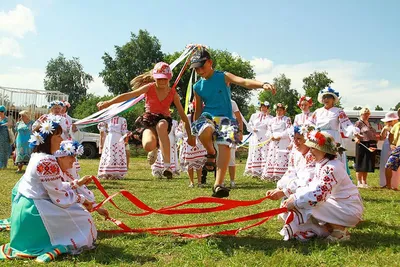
[375, 241]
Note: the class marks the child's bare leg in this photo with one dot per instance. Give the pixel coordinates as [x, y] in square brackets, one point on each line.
[162, 132]
[149, 140]
[232, 173]
[191, 176]
[388, 175]
[206, 138]
[222, 163]
[199, 172]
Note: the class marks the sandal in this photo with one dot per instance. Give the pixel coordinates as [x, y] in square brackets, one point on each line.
[211, 164]
[167, 173]
[220, 191]
[338, 236]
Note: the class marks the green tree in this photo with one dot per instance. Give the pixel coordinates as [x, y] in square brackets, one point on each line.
[314, 83]
[378, 108]
[284, 94]
[67, 76]
[357, 108]
[397, 106]
[132, 59]
[224, 61]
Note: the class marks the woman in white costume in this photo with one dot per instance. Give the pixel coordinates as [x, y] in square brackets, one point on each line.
[113, 156]
[330, 203]
[331, 119]
[258, 148]
[304, 103]
[48, 216]
[278, 154]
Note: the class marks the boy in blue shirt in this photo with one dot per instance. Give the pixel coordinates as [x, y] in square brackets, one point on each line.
[215, 122]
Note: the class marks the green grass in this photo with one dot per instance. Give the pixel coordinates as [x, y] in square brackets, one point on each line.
[375, 241]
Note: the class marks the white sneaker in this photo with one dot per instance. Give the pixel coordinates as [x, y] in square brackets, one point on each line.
[233, 185]
[191, 185]
[360, 185]
[365, 186]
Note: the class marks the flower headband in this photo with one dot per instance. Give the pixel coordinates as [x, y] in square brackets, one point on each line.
[305, 98]
[322, 141]
[280, 105]
[56, 103]
[69, 148]
[66, 104]
[265, 103]
[47, 127]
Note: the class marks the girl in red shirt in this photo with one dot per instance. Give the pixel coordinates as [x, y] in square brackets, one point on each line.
[155, 123]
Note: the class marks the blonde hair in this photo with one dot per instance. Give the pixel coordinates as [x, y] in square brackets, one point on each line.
[25, 112]
[365, 111]
[141, 80]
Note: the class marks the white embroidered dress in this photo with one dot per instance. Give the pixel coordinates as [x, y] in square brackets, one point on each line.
[334, 121]
[302, 118]
[278, 154]
[257, 154]
[113, 159]
[190, 157]
[331, 197]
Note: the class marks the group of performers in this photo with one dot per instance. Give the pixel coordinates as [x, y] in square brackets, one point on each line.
[51, 203]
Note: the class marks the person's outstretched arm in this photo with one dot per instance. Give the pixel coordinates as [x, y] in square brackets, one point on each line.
[248, 83]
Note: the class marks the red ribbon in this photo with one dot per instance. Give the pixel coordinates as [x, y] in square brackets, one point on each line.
[225, 204]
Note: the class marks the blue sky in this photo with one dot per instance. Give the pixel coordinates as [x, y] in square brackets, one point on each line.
[356, 42]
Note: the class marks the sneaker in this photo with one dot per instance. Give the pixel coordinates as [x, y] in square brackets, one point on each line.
[168, 173]
[233, 185]
[365, 186]
[201, 185]
[360, 185]
[191, 185]
[152, 156]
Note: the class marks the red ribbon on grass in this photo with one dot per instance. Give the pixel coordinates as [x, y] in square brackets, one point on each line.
[225, 204]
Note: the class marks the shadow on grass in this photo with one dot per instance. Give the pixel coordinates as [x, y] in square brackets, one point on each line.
[106, 254]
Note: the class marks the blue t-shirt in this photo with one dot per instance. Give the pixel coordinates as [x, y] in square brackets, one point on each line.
[215, 94]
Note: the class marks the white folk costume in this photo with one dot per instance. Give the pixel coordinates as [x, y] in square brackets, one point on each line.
[191, 157]
[333, 121]
[157, 169]
[47, 217]
[302, 118]
[331, 197]
[113, 158]
[300, 172]
[258, 149]
[278, 154]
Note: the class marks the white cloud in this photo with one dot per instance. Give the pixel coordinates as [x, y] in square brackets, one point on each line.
[348, 76]
[18, 21]
[97, 87]
[10, 47]
[23, 78]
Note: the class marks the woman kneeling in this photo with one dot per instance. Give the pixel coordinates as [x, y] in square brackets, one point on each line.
[330, 203]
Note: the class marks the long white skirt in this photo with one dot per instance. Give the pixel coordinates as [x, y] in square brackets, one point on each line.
[113, 158]
[277, 160]
[256, 158]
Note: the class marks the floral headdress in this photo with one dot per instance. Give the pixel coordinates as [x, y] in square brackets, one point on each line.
[280, 105]
[69, 148]
[265, 103]
[321, 141]
[56, 103]
[305, 98]
[47, 127]
[66, 103]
